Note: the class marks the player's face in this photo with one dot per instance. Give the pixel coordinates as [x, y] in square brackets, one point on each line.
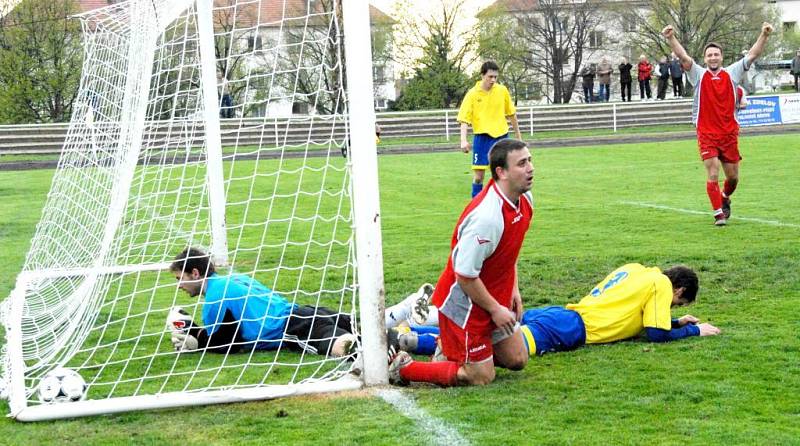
[677, 298]
[189, 282]
[713, 58]
[519, 173]
[489, 79]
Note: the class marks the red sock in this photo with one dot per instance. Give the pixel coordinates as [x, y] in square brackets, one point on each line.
[444, 373]
[729, 187]
[712, 188]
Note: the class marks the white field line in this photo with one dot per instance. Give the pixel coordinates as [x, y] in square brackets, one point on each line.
[437, 431]
[689, 211]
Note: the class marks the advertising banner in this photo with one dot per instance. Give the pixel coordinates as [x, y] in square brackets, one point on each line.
[790, 108]
[761, 110]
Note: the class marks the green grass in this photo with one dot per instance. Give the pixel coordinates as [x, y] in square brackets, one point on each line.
[737, 388]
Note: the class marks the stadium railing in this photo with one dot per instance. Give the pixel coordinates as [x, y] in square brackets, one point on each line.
[49, 138]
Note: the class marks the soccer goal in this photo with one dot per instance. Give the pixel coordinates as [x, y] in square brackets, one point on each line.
[225, 125]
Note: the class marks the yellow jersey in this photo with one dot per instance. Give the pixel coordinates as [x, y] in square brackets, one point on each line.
[627, 300]
[486, 111]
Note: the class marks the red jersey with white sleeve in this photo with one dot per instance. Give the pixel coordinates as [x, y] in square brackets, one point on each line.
[714, 108]
[485, 244]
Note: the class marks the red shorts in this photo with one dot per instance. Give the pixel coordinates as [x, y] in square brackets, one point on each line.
[462, 346]
[722, 146]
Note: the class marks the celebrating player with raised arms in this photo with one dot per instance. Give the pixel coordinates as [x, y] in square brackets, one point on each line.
[714, 114]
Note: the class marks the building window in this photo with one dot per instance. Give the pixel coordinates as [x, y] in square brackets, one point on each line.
[299, 108]
[629, 27]
[254, 42]
[789, 27]
[595, 39]
[628, 53]
[380, 74]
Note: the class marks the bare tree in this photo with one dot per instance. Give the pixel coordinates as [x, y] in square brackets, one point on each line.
[312, 61]
[732, 24]
[504, 45]
[558, 33]
[233, 44]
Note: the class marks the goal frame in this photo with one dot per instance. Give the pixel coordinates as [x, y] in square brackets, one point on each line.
[363, 168]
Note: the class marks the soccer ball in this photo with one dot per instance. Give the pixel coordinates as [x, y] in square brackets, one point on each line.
[62, 385]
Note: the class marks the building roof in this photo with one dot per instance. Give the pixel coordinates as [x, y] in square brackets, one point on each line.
[511, 6]
[89, 5]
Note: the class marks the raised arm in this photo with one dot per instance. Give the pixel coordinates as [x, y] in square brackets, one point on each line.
[669, 33]
[758, 47]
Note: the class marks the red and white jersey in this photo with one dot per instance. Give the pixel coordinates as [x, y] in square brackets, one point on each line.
[714, 108]
[485, 244]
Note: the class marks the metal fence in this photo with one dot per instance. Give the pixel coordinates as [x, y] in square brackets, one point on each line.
[49, 138]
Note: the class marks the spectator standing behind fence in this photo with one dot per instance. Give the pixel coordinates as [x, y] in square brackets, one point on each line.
[226, 106]
[587, 73]
[663, 78]
[796, 71]
[644, 70]
[604, 71]
[676, 73]
[625, 79]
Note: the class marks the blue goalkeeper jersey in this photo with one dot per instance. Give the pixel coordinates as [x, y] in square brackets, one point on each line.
[261, 312]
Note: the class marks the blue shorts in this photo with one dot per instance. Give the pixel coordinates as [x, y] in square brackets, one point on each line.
[481, 144]
[555, 329]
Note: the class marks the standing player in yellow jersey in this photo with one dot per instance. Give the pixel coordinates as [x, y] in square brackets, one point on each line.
[485, 107]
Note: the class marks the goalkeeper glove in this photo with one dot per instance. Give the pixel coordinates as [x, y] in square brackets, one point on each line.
[184, 342]
[179, 322]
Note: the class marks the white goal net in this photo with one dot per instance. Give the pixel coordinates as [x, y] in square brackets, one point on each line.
[219, 125]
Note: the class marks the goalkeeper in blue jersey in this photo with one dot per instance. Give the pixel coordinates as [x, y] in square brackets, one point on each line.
[239, 313]
[632, 299]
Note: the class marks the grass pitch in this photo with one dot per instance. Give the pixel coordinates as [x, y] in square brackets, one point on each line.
[596, 208]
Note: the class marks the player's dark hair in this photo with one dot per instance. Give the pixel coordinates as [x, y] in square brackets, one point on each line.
[683, 277]
[498, 154]
[193, 258]
[712, 45]
[489, 65]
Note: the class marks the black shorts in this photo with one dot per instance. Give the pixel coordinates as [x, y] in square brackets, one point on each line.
[313, 329]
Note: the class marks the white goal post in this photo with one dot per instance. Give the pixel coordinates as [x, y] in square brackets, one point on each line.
[160, 157]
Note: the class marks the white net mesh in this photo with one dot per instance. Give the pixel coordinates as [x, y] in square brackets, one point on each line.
[134, 187]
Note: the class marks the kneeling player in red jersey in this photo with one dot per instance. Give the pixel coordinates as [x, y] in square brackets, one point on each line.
[714, 114]
[477, 294]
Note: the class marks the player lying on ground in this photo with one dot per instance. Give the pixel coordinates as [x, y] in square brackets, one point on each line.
[714, 114]
[239, 313]
[631, 299]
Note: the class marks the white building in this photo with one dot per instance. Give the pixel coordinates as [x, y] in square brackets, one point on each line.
[778, 72]
[257, 24]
